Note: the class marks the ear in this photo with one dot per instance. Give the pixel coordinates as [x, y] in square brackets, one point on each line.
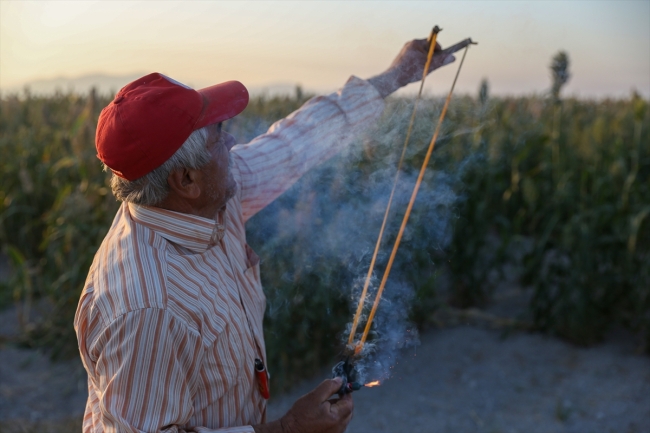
[183, 183]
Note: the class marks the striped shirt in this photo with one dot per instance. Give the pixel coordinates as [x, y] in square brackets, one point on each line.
[170, 318]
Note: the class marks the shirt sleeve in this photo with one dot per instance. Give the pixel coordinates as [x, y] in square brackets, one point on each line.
[272, 162]
[146, 370]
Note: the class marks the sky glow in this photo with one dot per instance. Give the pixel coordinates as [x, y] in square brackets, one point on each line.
[319, 44]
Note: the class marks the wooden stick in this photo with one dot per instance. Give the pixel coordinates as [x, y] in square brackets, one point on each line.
[432, 144]
[459, 46]
[432, 46]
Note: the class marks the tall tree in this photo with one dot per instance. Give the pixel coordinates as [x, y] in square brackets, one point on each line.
[559, 73]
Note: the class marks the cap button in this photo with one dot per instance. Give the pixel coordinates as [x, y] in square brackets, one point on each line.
[118, 99]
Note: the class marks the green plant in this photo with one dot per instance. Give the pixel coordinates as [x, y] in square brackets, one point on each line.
[494, 180]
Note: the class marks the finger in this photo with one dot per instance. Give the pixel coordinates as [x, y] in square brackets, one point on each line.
[440, 60]
[449, 59]
[344, 407]
[427, 46]
[421, 45]
[344, 421]
[327, 388]
[349, 417]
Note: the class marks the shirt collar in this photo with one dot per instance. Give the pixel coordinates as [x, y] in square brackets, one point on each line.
[190, 231]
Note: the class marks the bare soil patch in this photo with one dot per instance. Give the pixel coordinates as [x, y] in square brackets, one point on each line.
[467, 379]
[464, 378]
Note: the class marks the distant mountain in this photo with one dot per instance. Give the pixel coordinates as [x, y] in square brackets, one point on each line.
[110, 84]
[277, 89]
[103, 83]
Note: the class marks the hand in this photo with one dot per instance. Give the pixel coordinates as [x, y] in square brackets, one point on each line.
[408, 66]
[315, 412]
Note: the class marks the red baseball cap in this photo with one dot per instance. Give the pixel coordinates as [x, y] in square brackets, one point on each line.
[151, 117]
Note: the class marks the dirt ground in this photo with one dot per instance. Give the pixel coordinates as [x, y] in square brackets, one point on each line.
[467, 379]
[459, 379]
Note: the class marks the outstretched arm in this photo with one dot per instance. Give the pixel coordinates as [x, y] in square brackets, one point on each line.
[408, 66]
[272, 162]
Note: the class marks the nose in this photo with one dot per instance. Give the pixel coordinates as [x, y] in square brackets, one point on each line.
[229, 140]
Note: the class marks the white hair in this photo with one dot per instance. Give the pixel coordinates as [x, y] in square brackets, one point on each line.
[152, 188]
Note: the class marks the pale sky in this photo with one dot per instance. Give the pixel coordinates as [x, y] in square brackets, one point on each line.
[319, 44]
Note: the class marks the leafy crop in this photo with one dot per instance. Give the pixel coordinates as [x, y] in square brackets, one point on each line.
[571, 177]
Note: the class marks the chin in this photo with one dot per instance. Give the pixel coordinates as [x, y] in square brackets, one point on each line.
[232, 190]
[232, 194]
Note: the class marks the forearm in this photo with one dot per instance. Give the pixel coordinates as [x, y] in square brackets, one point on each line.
[386, 82]
[272, 162]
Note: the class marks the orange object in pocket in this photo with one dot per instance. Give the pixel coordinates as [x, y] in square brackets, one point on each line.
[262, 378]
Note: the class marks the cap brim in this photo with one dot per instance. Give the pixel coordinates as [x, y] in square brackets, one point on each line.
[222, 102]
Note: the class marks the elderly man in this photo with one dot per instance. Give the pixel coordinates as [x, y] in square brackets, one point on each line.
[170, 319]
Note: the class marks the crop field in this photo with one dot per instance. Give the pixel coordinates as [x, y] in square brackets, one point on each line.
[559, 189]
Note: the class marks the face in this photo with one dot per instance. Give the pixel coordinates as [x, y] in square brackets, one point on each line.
[219, 184]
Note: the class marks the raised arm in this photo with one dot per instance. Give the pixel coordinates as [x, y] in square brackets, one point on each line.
[272, 162]
[408, 66]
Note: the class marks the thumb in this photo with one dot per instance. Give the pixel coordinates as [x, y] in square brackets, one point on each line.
[327, 388]
[449, 59]
[442, 60]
